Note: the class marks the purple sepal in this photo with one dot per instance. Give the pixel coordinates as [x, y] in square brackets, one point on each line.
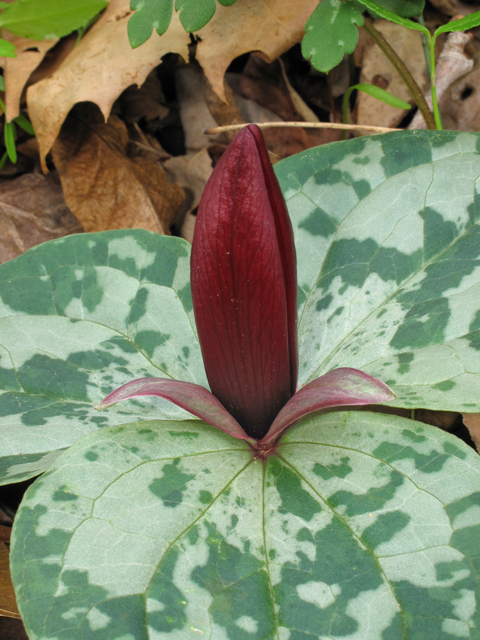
[343, 386]
[191, 397]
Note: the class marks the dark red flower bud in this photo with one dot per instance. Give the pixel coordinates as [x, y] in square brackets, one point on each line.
[244, 285]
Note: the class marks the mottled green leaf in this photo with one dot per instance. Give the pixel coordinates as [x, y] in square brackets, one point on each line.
[361, 527]
[79, 317]
[389, 262]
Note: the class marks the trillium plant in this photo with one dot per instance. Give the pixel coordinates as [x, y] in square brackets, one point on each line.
[244, 290]
[233, 488]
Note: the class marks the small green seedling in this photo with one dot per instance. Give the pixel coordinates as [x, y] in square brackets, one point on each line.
[9, 131]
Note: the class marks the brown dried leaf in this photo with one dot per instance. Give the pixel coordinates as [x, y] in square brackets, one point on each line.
[452, 64]
[5, 533]
[270, 26]
[453, 7]
[460, 104]
[266, 84]
[17, 71]
[98, 70]
[191, 172]
[194, 111]
[102, 186]
[146, 101]
[442, 419]
[8, 604]
[472, 422]
[32, 210]
[378, 70]
[103, 64]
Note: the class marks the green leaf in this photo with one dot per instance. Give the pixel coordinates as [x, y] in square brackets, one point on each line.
[194, 14]
[381, 94]
[388, 237]
[375, 92]
[2, 83]
[464, 24]
[7, 50]
[393, 17]
[40, 19]
[9, 136]
[3, 160]
[362, 526]
[331, 33]
[405, 8]
[227, 3]
[24, 124]
[149, 15]
[98, 309]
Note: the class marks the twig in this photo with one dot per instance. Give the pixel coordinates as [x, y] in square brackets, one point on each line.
[302, 125]
[405, 74]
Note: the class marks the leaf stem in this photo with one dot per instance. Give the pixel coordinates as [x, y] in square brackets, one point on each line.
[405, 74]
[433, 87]
[425, 45]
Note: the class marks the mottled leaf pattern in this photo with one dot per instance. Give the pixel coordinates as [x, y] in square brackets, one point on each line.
[78, 318]
[389, 263]
[362, 527]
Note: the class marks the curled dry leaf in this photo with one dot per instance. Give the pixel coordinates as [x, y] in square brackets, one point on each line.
[17, 71]
[378, 70]
[32, 210]
[191, 172]
[103, 187]
[460, 104]
[8, 605]
[194, 111]
[98, 70]
[452, 64]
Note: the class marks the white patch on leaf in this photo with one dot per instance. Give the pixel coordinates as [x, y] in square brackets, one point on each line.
[247, 623]
[319, 594]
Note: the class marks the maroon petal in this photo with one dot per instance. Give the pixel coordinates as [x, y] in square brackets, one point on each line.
[244, 285]
[343, 386]
[192, 397]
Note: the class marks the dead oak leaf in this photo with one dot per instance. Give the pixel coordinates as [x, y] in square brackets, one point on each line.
[270, 26]
[98, 70]
[17, 71]
[102, 186]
